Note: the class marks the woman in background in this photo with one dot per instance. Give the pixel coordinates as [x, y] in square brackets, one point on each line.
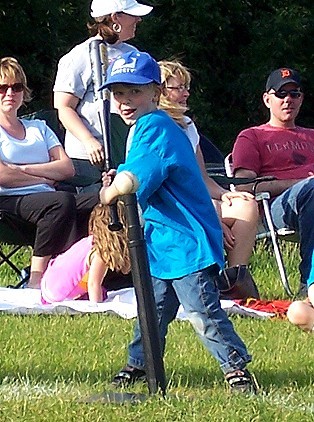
[32, 162]
[115, 22]
[238, 211]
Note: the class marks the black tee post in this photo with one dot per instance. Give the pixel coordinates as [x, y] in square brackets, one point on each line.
[147, 313]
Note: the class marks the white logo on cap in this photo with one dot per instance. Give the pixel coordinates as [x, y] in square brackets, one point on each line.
[120, 66]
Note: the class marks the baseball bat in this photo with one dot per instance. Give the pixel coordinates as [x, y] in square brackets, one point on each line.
[99, 63]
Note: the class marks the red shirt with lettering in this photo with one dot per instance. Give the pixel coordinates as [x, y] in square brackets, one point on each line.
[273, 151]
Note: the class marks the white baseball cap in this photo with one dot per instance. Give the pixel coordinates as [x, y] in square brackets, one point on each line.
[106, 7]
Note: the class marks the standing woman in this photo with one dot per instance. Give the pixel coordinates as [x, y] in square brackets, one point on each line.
[32, 162]
[115, 22]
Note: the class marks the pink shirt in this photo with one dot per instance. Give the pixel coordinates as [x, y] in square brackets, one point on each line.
[273, 151]
[63, 278]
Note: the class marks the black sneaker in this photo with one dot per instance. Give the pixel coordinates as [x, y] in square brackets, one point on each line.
[128, 376]
[241, 381]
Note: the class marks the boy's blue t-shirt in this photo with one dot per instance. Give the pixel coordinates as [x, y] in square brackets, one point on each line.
[310, 280]
[182, 230]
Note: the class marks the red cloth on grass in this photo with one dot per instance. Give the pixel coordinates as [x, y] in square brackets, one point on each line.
[278, 307]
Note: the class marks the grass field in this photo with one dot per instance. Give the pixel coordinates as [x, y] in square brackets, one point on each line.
[50, 363]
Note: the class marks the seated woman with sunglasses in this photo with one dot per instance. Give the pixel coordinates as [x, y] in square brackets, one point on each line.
[238, 212]
[32, 162]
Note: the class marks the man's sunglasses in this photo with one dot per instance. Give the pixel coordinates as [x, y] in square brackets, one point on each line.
[294, 93]
[17, 87]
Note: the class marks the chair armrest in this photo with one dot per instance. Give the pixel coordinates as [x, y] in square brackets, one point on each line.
[262, 195]
[224, 180]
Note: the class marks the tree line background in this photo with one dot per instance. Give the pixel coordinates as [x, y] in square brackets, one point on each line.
[230, 46]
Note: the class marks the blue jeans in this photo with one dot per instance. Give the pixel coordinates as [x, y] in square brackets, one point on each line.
[199, 296]
[294, 209]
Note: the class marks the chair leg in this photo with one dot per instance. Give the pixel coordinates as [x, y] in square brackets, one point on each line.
[278, 254]
[20, 284]
[22, 274]
[6, 258]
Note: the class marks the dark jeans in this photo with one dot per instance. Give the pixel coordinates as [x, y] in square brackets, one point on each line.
[61, 218]
[294, 209]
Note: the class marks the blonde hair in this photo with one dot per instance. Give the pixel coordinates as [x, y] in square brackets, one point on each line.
[173, 69]
[11, 70]
[111, 246]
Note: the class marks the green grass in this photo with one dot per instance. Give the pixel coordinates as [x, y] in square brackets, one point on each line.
[49, 363]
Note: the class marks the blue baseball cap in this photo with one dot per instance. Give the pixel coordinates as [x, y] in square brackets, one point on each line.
[135, 67]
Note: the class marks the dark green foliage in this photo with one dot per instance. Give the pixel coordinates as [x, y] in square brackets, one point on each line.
[38, 33]
[229, 45]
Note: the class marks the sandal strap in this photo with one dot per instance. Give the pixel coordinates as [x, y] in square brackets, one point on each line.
[124, 374]
[240, 379]
[129, 375]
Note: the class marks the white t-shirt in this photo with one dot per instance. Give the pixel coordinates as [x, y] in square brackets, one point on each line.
[129, 139]
[33, 149]
[74, 76]
[192, 132]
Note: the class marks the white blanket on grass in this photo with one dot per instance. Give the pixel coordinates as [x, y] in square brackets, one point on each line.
[121, 302]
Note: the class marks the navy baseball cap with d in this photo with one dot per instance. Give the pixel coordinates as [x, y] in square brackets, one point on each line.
[135, 67]
[282, 76]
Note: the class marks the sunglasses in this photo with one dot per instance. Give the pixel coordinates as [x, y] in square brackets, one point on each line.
[294, 93]
[180, 88]
[17, 87]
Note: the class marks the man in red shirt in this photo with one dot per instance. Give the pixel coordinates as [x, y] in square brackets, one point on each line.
[282, 149]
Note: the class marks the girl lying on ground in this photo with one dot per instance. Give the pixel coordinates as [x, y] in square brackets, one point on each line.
[83, 268]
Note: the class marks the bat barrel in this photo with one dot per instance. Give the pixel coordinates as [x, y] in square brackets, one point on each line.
[99, 63]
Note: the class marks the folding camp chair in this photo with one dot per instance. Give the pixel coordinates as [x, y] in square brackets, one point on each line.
[15, 233]
[213, 158]
[266, 229]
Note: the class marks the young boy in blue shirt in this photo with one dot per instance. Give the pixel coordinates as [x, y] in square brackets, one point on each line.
[182, 230]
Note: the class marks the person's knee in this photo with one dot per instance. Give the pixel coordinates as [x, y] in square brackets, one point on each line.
[299, 314]
[251, 211]
[295, 312]
[241, 209]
